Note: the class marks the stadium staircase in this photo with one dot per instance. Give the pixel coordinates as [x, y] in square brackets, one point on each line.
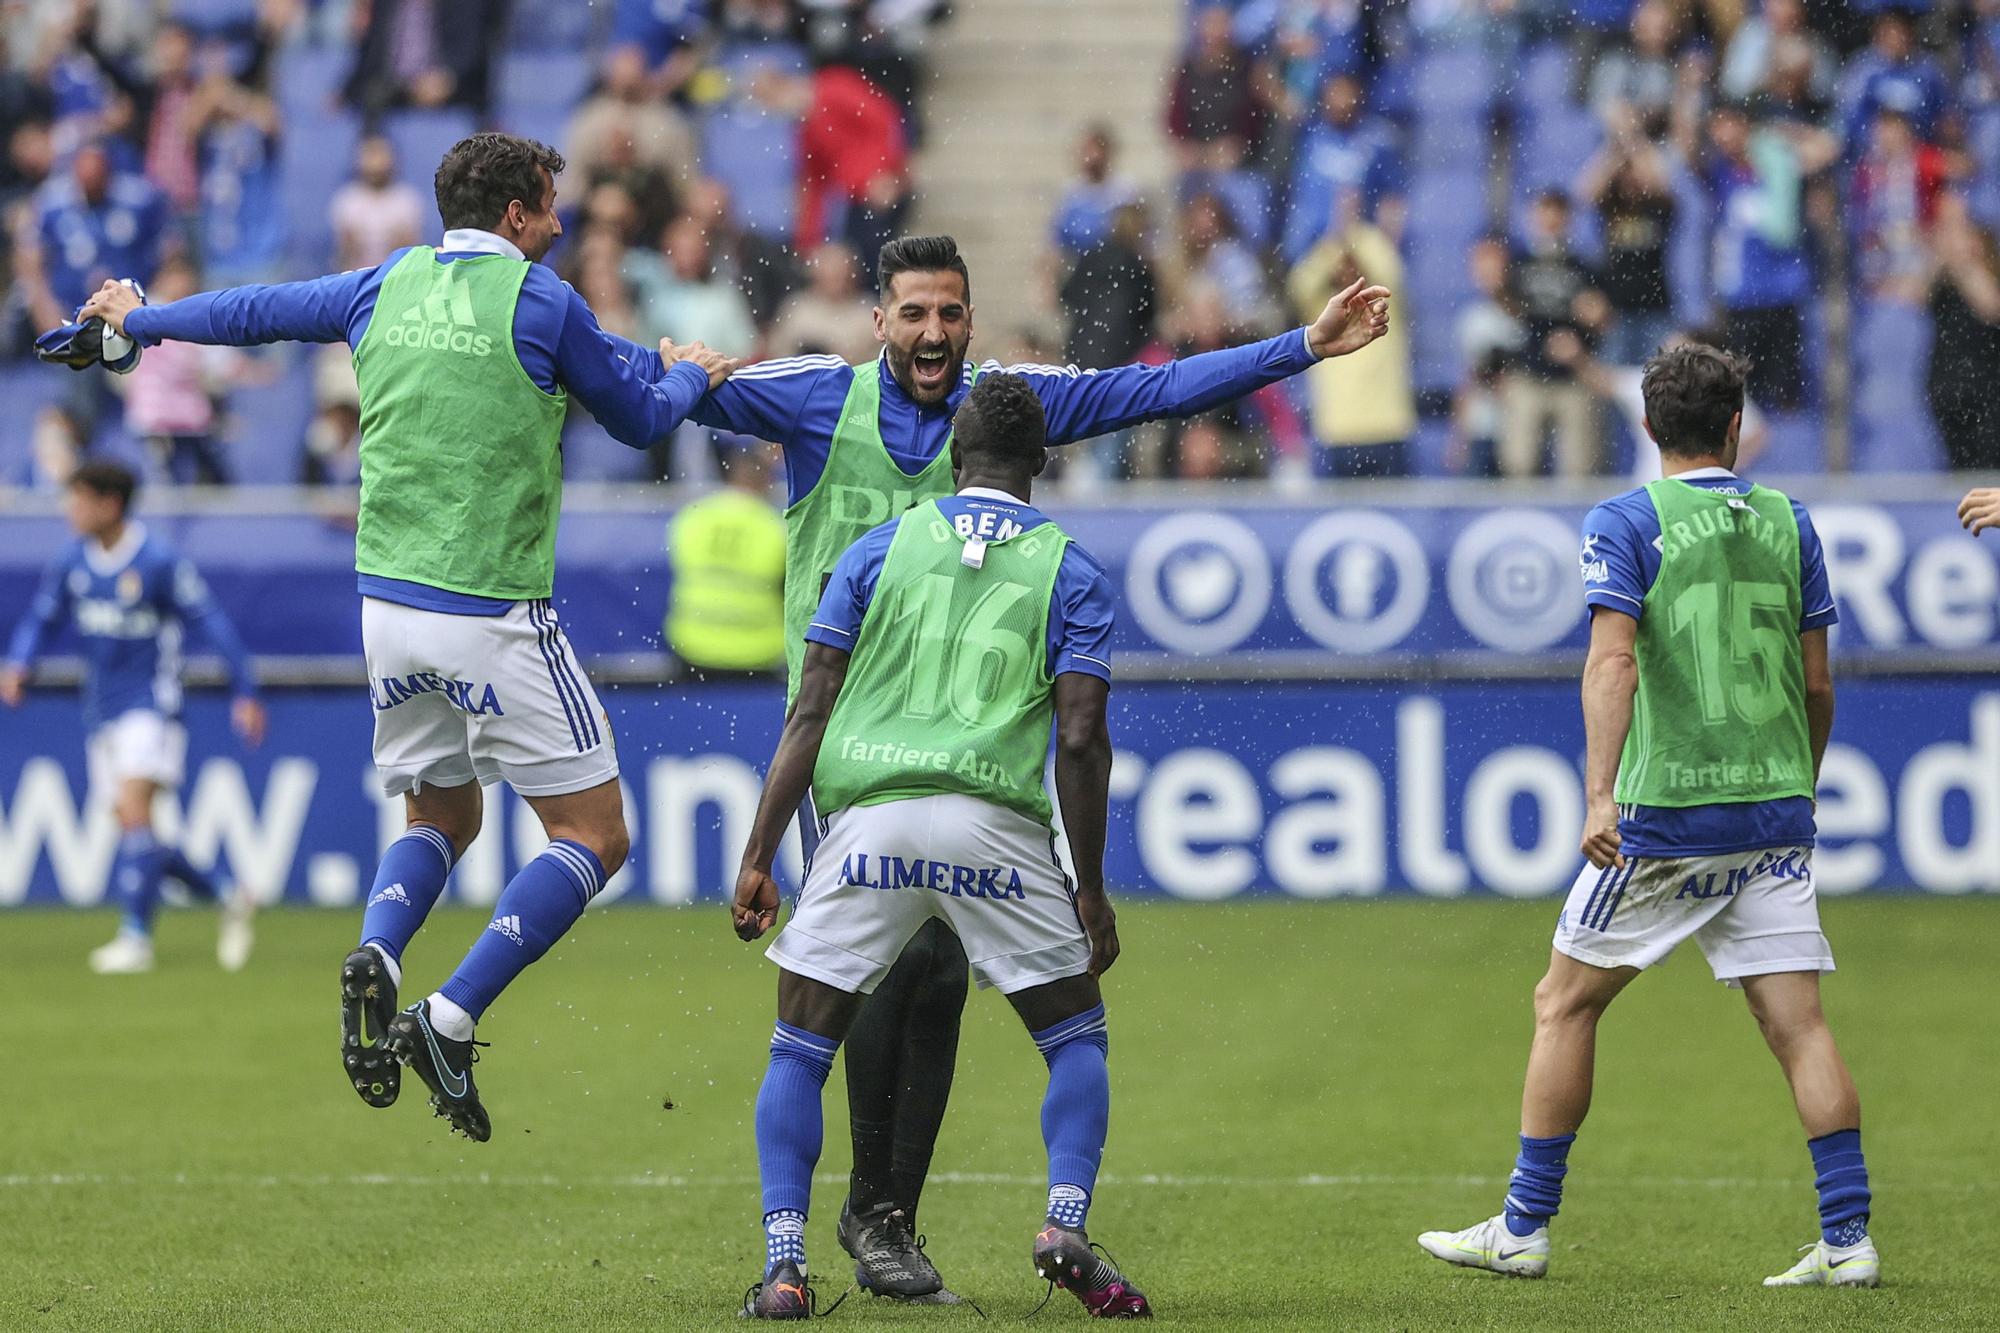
[992, 171]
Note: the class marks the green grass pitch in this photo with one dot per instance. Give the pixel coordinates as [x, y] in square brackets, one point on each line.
[1298, 1090]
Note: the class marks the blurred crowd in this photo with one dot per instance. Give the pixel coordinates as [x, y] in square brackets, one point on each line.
[1554, 189]
[730, 162]
[1813, 185]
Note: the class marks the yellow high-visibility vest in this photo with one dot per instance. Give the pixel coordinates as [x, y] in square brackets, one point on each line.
[728, 607]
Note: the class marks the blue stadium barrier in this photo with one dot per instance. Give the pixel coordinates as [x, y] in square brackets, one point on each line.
[1371, 696]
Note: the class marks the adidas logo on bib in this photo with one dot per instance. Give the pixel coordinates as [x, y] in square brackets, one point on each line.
[443, 321]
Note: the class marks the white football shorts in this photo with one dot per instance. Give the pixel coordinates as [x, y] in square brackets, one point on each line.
[881, 871]
[1751, 912]
[139, 743]
[481, 698]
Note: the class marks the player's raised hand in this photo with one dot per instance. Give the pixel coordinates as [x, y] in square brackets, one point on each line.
[1093, 908]
[718, 366]
[250, 721]
[1980, 510]
[1600, 835]
[111, 303]
[756, 907]
[1355, 317]
[13, 681]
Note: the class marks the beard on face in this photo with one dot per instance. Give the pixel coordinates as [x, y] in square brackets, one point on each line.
[942, 364]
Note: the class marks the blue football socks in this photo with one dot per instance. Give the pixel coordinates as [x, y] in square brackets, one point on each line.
[408, 883]
[1534, 1191]
[1841, 1175]
[790, 1126]
[140, 866]
[179, 867]
[1076, 1111]
[536, 909]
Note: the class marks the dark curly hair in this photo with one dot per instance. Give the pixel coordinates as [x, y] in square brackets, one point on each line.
[483, 174]
[102, 477]
[1691, 392]
[1001, 421]
[920, 254]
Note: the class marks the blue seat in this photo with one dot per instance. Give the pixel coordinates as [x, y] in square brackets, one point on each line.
[318, 154]
[422, 138]
[1891, 419]
[267, 424]
[542, 79]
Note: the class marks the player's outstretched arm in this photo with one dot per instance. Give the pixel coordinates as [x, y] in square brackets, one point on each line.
[1083, 404]
[1610, 680]
[315, 311]
[1083, 787]
[605, 378]
[1980, 509]
[824, 672]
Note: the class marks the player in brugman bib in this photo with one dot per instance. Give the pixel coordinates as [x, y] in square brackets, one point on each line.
[1707, 704]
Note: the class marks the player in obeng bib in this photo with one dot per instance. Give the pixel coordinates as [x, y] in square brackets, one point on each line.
[947, 642]
[466, 356]
[1707, 697]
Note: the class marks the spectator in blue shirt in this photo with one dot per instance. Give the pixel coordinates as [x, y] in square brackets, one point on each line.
[1344, 149]
[92, 224]
[242, 213]
[1759, 271]
[1893, 74]
[1083, 219]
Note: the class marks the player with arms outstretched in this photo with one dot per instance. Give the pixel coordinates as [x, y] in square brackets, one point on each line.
[863, 443]
[946, 643]
[128, 595]
[1707, 704]
[466, 356]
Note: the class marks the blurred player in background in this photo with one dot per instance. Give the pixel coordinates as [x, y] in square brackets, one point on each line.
[128, 595]
[465, 379]
[1707, 701]
[862, 444]
[947, 641]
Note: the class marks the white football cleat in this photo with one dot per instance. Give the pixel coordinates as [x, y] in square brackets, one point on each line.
[127, 953]
[1491, 1246]
[235, 935]
[1856, 1265]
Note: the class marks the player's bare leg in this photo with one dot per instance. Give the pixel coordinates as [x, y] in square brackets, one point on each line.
[1787, 1008]
[439, 824]
[1570, 999]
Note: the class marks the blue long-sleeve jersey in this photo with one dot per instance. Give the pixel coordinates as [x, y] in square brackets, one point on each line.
[797, 401]
[556, 338]
[128, 604]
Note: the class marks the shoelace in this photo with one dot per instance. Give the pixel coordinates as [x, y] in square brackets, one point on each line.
[1049, 1295]
[756, 1289]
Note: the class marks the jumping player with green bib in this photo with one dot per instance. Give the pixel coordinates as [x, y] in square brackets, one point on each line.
[949, 643]
[863, 444]
[1707, 704]
[467, 355]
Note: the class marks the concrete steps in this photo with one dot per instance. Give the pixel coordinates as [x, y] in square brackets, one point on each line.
[1012, 84]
